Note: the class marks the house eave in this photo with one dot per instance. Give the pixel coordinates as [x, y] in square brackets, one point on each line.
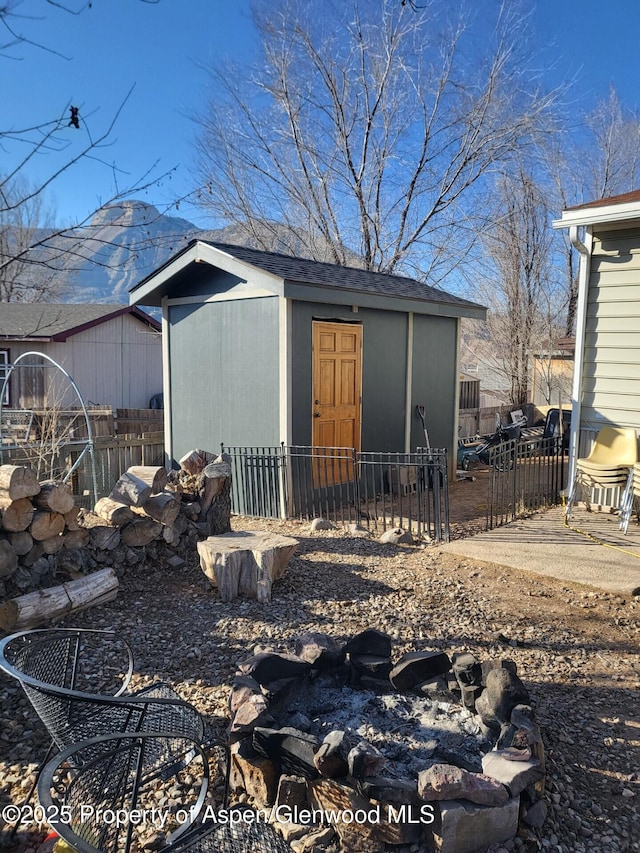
[64, 334]
[133, 311]
[44, 339]
[601, 215]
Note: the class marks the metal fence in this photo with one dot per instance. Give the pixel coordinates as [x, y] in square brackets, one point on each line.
[376, 490]
[526, 475]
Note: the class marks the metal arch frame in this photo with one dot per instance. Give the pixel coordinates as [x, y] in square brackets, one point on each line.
[89, 445]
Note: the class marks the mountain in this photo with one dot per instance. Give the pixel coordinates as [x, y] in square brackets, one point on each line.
[124, 242]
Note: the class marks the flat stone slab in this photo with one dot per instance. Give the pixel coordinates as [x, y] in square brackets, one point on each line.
[245, 563]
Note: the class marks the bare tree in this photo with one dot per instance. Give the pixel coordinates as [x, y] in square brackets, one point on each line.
[523, 305]
[367, 130]
[21, 226]
[32, 252]
[599, 159]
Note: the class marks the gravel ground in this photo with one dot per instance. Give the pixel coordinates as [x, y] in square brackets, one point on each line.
[577, 651]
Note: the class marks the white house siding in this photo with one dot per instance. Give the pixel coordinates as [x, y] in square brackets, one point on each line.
[611, 368]
[117, 363]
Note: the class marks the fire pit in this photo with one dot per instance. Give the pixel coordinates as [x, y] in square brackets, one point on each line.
[342, 744]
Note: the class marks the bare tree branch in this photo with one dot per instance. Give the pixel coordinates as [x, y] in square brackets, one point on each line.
[370, 128]
[600, 158]
[35, 257]
[521, 293]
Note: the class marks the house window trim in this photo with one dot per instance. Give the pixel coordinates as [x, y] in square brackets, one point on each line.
[5, 361]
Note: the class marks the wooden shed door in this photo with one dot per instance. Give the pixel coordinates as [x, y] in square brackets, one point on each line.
[337, 392]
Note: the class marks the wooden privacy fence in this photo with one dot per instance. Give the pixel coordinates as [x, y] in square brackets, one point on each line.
[139, 421]
[93, 470]
[483, 421]
[114, 455]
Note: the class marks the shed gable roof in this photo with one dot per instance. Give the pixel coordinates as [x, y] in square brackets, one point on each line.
[59, 321]
[307, 272]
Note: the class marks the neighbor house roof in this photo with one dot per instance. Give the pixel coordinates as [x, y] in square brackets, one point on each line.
[47, 321]
[617, 208]
[292, 271]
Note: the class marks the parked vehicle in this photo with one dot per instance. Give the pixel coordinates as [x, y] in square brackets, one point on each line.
[552, 426]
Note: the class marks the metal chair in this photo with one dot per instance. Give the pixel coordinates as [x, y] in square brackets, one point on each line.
[608, 465]
[244, 833]
[104, 776]
[630, 498]
[76, 681]
[97, 796]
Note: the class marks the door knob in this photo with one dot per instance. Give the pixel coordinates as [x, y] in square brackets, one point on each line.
[316, 414]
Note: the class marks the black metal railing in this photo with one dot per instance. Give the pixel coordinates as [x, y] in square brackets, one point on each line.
[526, 475]
[378, 491]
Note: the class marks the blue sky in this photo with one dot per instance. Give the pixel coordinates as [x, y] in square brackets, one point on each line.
[158, 48]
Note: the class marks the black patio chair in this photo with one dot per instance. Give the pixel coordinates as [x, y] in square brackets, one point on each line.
[76, 681]
[105, 776]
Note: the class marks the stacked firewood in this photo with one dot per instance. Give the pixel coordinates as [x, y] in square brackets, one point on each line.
[149, 514]
[148, 503]
[36, 521]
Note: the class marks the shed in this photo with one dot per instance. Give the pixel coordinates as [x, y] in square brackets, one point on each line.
[606, 380]
[113, 352]
[262, 348]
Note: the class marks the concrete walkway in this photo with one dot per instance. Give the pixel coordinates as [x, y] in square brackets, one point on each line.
[599, 556]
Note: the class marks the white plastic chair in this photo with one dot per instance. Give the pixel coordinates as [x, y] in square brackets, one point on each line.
[609, 465]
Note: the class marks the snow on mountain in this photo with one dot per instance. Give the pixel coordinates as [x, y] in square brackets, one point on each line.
[122, 244]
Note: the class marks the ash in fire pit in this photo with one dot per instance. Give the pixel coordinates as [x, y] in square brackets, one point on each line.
[410, 731]
[340, 744]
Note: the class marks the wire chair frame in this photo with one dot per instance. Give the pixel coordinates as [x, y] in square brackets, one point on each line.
[96, 796]
[71, 715]
[104, 776]
[243, 831]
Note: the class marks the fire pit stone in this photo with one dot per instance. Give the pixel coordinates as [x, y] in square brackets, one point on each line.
[430, 748]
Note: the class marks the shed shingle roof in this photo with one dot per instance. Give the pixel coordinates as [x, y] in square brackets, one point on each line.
[306, 271]
[49, 320]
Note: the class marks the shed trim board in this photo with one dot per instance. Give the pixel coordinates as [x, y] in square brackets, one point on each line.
[606, 381]
[342, 296]
[166, 383]
[285, 357]
[232, 294]
[408, 414]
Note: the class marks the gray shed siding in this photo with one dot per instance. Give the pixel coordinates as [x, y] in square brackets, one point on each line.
[611, 366]
[434, 380]
[224, 374]
[383, 372]
[384, 375]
